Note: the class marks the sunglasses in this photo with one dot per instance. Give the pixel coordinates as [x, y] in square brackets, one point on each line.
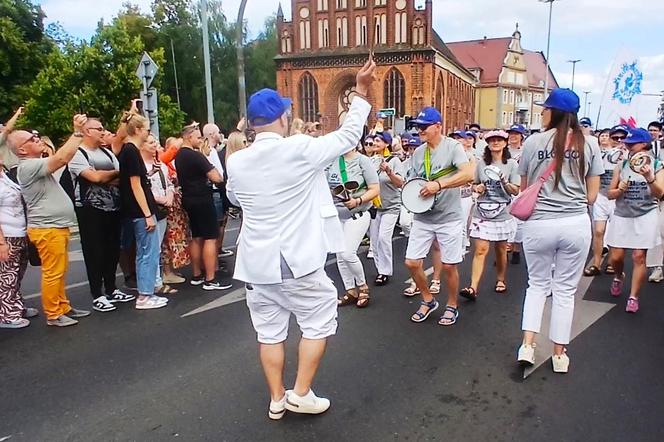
[586, 126]
[100, 129]
[423, 127]
[618, 138]
[34, 138]
[370, 144]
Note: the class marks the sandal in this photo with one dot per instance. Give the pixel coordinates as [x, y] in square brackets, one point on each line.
[412, 290]
[435, 286]
[418, 316]
[166, 290]
[609, 270]
[591, 271]
[347, 299]
[469, 293]
[500, 287]
[363, 299]
[446, 320]
[381, 280]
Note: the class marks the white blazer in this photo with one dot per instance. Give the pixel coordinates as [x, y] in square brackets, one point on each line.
[286, 203]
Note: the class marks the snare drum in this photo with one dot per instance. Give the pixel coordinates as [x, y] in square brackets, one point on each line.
[411, 199]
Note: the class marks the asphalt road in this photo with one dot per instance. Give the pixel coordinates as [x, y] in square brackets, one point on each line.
[156, 375]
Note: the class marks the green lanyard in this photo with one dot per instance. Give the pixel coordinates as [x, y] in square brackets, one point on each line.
[427, 163]
[342, 168]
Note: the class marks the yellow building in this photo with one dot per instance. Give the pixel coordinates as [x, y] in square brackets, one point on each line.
[510, 80]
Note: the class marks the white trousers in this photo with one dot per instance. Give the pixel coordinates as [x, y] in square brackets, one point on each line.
[466, 207]
[655, 256]
[555, 251]
[380, 232]
[405, 221]
[350, 266]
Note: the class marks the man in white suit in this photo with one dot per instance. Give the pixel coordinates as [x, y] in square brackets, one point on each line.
[289, 226]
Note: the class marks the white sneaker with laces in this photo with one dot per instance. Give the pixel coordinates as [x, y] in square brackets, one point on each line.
[150, 302]
[102, 304]
[120, 296]
[308, 404]
[277, 409]
[560, 363]
[657, 275]
[526, 354]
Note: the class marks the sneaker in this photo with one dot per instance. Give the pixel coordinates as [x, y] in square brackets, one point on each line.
[225, 253]
[197, 280]
[308, 404]
[656, 275]
[632, 305]
[173, 279]
[560, 363]
[277, 409]
[62, 321]
[76, 313]
[215, 285]
[160, 298]
[15, 323]
[150, 302]
[30, 312]
[119, 296]
[616, 286]
[102, 304]
[526, 354]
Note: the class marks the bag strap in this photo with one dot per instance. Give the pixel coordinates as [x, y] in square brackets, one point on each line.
[549, 170]
[342, 169]
[162, 178]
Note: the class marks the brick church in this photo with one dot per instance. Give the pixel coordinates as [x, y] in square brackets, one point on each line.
[325, 43]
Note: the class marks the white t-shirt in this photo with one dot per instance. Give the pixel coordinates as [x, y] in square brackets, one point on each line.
[213, 158]
[12, 216]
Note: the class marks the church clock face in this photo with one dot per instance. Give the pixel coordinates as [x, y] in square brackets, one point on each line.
[304, 13]
[401, 4]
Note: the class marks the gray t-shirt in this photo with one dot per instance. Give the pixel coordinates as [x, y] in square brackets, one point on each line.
[359, 169]
[570, 197]
[47, 202]
[637, 200]
[610, 158]
[390, 195]
[492, 204]
[449, 153]
[100, 196]
[9, 159]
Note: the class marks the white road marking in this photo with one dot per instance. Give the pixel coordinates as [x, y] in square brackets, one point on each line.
[427, 272]
[67, 287]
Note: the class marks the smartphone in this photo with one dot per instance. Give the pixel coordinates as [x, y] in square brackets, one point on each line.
[139, 106]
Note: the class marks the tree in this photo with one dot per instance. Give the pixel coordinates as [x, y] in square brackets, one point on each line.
[261, 67]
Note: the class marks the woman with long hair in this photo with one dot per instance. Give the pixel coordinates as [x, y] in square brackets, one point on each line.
[556, 237]
[637, 186]
[297, 127]
[496, 181]
[236, 141]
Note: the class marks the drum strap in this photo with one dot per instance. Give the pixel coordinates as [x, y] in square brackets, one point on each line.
[344, 174]
[427, 168]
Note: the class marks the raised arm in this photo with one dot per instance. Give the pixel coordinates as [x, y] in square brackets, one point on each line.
[68, 150]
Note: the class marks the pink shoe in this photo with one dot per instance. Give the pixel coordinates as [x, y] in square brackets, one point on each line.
[632, 305]
[616, 287]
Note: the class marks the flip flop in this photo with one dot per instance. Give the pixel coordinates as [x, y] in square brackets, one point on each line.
[469, 293]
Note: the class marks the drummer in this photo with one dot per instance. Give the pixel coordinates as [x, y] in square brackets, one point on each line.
[636, 189]
[491, 221]
[443, 162]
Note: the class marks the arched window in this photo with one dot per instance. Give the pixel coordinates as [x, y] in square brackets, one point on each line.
[440, 91]
[395, 93]
[308, 91]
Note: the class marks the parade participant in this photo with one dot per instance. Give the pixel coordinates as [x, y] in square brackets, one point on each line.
[517, 134]
[353, 211]
[556, 237]
[95, 171]
[390, 178]
[467, 141]
[282, 251]
[655, 129]
[443, 162]
[139, 209]
[496, 180]
[586, 126]
[480, 141]
[603, 207]
[618, 135]
[636, 189]
[655, 256]
[50, 215]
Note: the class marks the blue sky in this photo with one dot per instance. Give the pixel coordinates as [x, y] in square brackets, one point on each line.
[594, 31]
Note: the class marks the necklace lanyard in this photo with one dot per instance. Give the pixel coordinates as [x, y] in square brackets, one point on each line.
[342, 169]
[427, 163]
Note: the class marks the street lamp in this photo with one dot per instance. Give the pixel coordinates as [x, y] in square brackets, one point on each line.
[585, 106]
[242, 86]
[574, 62]
[548, 47]
[206, 62]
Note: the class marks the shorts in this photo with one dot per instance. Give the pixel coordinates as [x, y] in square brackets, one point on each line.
[603, 208]
[312, 299]
[449, 236]
[219, 206]
[202, 220]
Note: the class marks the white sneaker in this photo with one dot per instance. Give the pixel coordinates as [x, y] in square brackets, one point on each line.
[150, 302]
[15, 323]
[657, 275]
[309, 404]
[277, 409]
[102, 304]
[560, 363]
[526, 354]
[62, 321]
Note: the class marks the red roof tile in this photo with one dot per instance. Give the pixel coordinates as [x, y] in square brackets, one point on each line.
[536, 65]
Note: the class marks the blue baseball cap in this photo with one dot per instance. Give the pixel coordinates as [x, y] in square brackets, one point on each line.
[266, 106]
[414, 141]
[638, 135]
[385, 136]
[585, 121]
[427, 117]
[460, 134]
[562, 99]
[619, 128]
[517, 128]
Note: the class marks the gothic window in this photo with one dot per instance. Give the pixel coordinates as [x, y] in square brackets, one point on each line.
[342, 4]
[323, 33]
[286, 42]
[401, 27]
[439, 93]
[395, 92]
[418, 32]
[342, 31]
[322, 5]
[360, 3]
[380, 29]
[361, 30]
[308, 90]
[380, 2]
[305, 29]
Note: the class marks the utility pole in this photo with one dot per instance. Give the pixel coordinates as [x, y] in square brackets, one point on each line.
[206, 61]
[548, 48]
[585, 106]
[175, 75]
[574, 62]
[239, 42]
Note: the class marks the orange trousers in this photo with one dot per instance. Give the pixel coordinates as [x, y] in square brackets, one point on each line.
[52, 247]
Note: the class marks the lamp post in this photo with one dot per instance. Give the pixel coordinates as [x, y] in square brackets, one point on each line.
[585, 106]
[175, 75]
[206, 62]
[548, 48]
[242, 86]
[574, 62]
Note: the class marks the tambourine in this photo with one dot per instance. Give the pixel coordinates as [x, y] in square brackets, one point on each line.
[493, 173]
[411, 198]
[343, 191]
[639, 160]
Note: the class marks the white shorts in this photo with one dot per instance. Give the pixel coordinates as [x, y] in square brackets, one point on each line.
[312, 299]
[603, 208]
[449, 237]
[489, 230]
[639, 233]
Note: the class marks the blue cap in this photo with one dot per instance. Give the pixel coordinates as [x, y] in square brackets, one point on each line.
[414, 141]
[427, 117]
[564, 100]
[585, 121]
[406, 136]
[619, 128]
[266, 106]
[460, 134]
[518, 128]
[385, 136]
[638, 135]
